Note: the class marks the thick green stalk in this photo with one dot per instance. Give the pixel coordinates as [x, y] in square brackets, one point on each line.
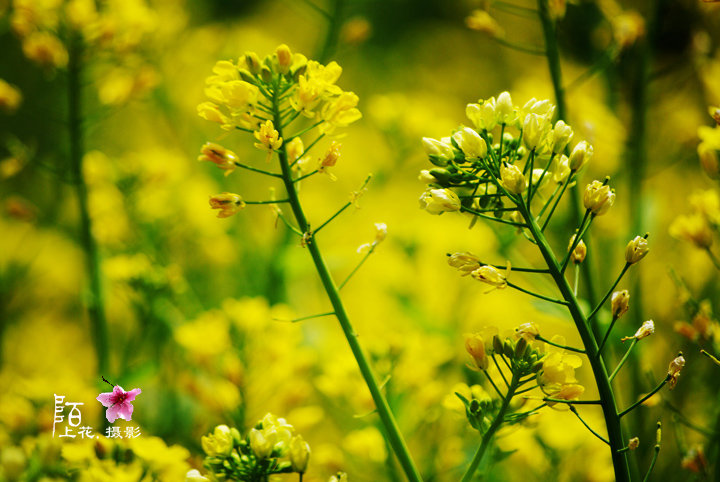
[487, 437]
[95, 302]
[393, 434]
[607, 397]
[552, 52]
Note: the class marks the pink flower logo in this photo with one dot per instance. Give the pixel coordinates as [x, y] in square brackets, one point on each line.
[119, 403]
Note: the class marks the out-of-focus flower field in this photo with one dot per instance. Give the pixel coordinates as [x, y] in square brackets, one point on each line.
[114, 265]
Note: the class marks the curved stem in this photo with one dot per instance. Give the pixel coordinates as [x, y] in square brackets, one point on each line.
[622, 361]
[607, 397]
[95, 302]
[394, 436]
[552, 53]
[487, 437]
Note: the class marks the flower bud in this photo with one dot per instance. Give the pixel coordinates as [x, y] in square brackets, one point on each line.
[636, 249]
[709, 160]
[266, 74]
[535, 128]
[223, 158]
[475, 346]
[426, 177]
[598, 198]
[194, 475]
[299, 454]
[253, 62]
[520, 347]
[490, 275]
[619, 303]
[512, 178]
[647, 329]
[260, 444]
[439, 152]
[497, 344]
[674, 370]
[438, 201]
[219, 443]
[504, 109]
[464, 262]
[528, 330]
[580, 156]
[284, 58]
[482, 115]
[470, 142]
[580, 251]
[633, 443]
[561, 136]
[228, 204]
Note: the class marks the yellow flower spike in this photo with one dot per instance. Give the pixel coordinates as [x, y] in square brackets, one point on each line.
[580, 156]
[490, 275]
[228, 204]
[268, 138]
[299, 454]
[475, 346]
[466, 263]
[223, 158]
[598, 198]
[619, 303]
[10, 97]
[512, 178]
[676, 366]
[636, 249]
[438, 201]
[470, 142]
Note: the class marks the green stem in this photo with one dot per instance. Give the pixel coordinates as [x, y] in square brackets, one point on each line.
[569, 348]
[574, 410]
[713, 258]
[395, 438]
[655, 455]
[95, 301]
[487, 437]
[607, 334]
[607, 295]
[359, 265]
[336, 16]
[259, 171]
[607, 397]
[653, 392]
[553, 56]
[557, 201]
[536, 295]
[497, 390]
[624, 358]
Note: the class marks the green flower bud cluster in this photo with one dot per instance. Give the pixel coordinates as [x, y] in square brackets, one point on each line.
[271, 447]
[510, 152]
